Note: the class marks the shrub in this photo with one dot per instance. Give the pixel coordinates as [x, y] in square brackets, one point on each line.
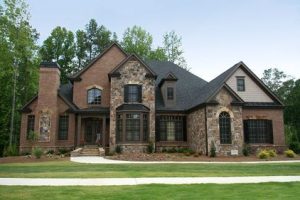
[164, 150]
[295, 146]
[37, 152]
[246, 150]
[150, 147]
[290, 153]
[263, 154]
[11, 151]
[50, 151]
[272, 152]
[63, 151]
[172, 150]
[212, 149]
[118, 149]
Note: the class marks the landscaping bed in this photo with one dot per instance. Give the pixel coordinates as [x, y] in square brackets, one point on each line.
[191, 157]
[28, 159]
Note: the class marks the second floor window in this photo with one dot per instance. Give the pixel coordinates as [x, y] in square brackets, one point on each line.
[170, 93]
[240, 82]
[94, 96]
[133, 93]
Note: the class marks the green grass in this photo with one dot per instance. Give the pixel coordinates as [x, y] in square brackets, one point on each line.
[76, 170]
[206, 191]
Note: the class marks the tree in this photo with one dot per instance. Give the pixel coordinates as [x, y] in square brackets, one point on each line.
[137, 40]
[158, 54]
[81, 47]
[91, 35]
[60, 47]
[102, 39]
[18, 67]
[280, 83]
[173, 49]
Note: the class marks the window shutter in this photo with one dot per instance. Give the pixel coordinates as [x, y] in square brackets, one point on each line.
[140, 94]
[126, 93]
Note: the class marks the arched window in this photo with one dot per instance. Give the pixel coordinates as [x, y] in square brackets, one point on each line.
[225, 128]
[94, 96]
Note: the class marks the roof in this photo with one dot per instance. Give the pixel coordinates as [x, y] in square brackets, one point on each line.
[77, 75]
[91, 110]
[133, 107]
[49, 65]
[186, 85]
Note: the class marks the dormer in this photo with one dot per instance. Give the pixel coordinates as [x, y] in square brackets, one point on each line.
[167, 86]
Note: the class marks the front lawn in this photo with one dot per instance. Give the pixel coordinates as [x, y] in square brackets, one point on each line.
[198, 191]
[67, 169]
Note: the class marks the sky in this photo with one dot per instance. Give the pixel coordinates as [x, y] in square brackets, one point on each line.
[215, 34]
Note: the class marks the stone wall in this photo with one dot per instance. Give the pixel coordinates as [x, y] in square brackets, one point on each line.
[213, 134]
[196, 131]
[132, 72]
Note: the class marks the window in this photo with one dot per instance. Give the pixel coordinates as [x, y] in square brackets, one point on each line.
[171, 128]
[170, 93]
[132, 127]
[240, 82]
[133, 93]
[30, 124]
[63, 127]
[225, 128]
[258, 131]
[94, 96]
[135, 127]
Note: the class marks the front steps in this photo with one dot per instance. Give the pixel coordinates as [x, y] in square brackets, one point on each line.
[88, 150]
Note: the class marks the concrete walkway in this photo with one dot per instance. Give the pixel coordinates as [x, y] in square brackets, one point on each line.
[141, 181]
[102, 160]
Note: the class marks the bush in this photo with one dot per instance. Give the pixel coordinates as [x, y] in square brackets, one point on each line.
[37, 152]
[50, 151]
[212, 149]
[272, 152]
[290, 153]
[118, 149]
[172, 150]
[246, 150]
[295, 146]
[63, 151]
[11, 151]
[263, 154]
[150, 147]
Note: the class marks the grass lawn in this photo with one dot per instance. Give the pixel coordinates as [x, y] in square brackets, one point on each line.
[68, 169]
[206, 191]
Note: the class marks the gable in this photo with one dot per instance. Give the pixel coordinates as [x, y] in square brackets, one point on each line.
[114, 51]
[253, 92]
[132, 58]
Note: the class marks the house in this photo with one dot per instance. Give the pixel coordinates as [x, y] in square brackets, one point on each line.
[121, 100]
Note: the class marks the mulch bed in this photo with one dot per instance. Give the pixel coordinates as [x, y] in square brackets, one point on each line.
[26, 159]
[183, 157]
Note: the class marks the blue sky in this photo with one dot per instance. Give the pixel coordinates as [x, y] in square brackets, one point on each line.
[215, 34]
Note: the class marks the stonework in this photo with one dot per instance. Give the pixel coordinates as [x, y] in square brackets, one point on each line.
[45, 126]
[213, 133]
[196, 131]
[132, 72]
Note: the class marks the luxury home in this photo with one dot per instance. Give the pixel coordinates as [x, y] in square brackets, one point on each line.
[120, 100]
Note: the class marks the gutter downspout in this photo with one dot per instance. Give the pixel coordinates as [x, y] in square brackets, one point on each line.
[206, 131]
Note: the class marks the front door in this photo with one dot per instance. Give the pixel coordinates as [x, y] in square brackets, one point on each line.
[92, 128]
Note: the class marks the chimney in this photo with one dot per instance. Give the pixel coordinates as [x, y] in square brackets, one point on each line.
[47, 112]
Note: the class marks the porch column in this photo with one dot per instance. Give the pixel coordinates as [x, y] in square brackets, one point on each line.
[103, 131]
[78, 129]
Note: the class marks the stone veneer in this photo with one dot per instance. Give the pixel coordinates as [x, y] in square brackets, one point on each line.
[132, 72]
[196, 131]
[213, 134]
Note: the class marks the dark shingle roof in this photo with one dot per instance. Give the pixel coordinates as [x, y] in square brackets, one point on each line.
[186, 84]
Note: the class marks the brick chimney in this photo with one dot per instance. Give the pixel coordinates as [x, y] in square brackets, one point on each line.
[49, 82]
